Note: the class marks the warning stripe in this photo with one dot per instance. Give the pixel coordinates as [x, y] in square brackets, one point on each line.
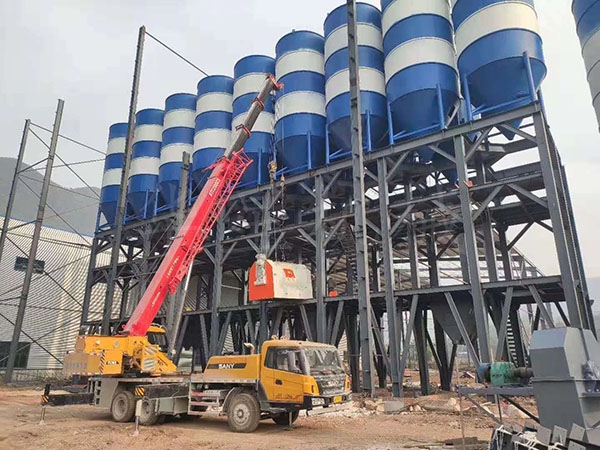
[45, 399]
[139, 391]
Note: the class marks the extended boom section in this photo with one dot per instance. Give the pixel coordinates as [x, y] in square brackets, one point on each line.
[225, 176]
[131, 351]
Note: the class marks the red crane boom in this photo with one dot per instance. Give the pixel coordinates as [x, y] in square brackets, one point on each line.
[226, 174]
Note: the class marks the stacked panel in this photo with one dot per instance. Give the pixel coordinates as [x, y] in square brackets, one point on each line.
[300, 130]
[249, 76]
[492, 37]
[145, 162]
[587, 19]
[177, 138]
[213, 123]
[420, 66]
[371, 74]
[113, 168]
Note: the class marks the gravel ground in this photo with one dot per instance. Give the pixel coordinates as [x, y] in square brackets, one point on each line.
[360, 427]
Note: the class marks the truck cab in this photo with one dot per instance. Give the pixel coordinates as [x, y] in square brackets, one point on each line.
[285, 378]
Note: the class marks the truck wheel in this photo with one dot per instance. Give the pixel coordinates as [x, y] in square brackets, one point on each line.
[148, 415]
[243, 413]
[122, 407]
[284, 418]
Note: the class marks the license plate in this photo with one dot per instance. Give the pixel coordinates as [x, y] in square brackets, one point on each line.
[337, 399]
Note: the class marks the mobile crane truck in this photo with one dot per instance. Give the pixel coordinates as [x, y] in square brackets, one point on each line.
[132, 369]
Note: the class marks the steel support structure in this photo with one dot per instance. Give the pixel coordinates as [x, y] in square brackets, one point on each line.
[13, 187]
[122, 201]
[35, 239]
[418, 224]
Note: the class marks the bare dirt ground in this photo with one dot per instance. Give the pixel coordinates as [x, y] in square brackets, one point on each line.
[85, 427]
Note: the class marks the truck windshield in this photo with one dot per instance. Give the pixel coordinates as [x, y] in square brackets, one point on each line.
[323, 361]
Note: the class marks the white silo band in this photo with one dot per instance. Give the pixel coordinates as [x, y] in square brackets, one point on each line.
[264, 124]
[174, 153]
[180, 118]
[147, 133]
[217, 101]
[494, 18]
[368, 35]
[300, 61]
[212, 138]
[250, 83]
[144, 166]
[112, 177]
[301, 102]
[370, 80]
[419, 51]
[401, 9]
[116, 145]
[591, 51]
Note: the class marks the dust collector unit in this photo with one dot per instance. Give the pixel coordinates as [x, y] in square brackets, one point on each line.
[269, 280]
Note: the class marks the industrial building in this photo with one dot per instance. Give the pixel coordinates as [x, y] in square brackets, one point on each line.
[404, 155]
[422, 234]
[52, 320]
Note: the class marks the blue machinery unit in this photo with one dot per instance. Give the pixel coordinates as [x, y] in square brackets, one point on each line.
[249, 74]
[177, 138]
[213, 123]
[300, 131]
[372, 80]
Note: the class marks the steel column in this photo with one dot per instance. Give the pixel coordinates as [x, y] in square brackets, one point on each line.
[177, 301]
[37, 231]
[358, 189]
[217, 290]
[479, 302]
[13, 187]
[388, 274]
[321, 260]
[577, 313]
[122, 201]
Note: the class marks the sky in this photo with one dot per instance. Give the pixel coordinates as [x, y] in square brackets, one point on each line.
[83, 52]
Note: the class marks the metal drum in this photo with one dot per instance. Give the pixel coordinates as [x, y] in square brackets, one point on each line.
[145, 163]
[300, 130]
[177, 138]
[213, 123]
[249, 76]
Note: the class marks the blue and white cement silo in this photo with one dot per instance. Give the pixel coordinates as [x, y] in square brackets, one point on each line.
[587, 20]
[213, 123]
[420, 67]
[177, 138]
[371, 73]
[113, 168]
[249, 76]
[300, 130]
[500, 56]
[145, 163]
